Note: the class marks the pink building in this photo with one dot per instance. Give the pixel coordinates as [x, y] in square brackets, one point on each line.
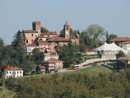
[53, 64]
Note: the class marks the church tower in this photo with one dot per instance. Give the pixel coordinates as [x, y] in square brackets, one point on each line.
[36, 25]
[66, 30]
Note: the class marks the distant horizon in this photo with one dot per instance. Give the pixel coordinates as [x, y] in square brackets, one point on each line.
[16, 15]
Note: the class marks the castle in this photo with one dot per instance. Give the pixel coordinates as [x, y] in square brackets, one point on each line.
[47, 41]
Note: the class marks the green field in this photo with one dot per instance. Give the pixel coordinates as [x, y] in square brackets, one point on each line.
[95, 70]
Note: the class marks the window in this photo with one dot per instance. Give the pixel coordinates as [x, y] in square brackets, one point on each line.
[17, 72]
[32, 34]
[10, 72]
[7, 72]
[26, 41]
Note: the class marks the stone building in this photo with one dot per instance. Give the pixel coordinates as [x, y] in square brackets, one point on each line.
[38, 39]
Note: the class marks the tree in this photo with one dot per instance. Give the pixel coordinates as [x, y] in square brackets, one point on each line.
[92, 35]
[120, 54]
[1, 49]
[70, 54]
[38, 57]
[1, 43]
[95, 31]
[109, 37]
[19, 56]
[44, 30]
[19, 40]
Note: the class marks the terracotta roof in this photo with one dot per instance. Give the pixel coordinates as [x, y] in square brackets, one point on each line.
[30, 31]
[73, 37]
[44, 43]
[126, 42]
[42, 36]
[7, 67]
[54, 60]
[49, 33]
[31, 45]
[120, 39]
[57, 39]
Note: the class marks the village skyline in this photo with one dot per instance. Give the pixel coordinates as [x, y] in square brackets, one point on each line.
[18, 15]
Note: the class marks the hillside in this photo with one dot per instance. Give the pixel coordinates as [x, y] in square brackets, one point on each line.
[72, 85]
[95, 70]
[6, 93]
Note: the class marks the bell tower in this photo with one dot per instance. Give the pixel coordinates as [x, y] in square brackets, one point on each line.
[66, 30]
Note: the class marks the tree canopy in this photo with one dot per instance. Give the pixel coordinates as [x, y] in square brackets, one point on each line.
[70, 55]
[92, 35]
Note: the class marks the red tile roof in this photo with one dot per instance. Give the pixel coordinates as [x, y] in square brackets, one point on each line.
[54, 60]
[58, 39]
[126, 42]
[73, 37]
[30, 31]
[7, 67]
[42, 36]
[32, 45]
[44, 43]
[120, 39]
[49, 33]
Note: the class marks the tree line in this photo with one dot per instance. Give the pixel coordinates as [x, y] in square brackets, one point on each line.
[16, 55]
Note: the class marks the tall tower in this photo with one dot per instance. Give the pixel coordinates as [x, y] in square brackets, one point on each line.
[66, 30]
[36, 25]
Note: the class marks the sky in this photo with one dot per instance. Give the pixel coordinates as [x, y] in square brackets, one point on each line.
[113, 15]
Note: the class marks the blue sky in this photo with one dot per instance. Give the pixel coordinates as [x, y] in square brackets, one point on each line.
[113, 15]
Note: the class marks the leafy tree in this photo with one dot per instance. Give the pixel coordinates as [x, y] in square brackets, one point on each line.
[38, 57]
[82, 48]
[92, 35]
[70, 54]
[109, 37]
[44, 30]
[95, 31]
[120, 54]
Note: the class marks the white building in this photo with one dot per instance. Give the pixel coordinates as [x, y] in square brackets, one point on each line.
[14, 72]
[125, 45]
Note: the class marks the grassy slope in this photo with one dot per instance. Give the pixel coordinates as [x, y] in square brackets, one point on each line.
[6, 93]
[95, 70]
[92, 71]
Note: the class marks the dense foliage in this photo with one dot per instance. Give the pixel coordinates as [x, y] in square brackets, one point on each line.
[16, 55]
[72, 85]
[70, 54]
[92, 35]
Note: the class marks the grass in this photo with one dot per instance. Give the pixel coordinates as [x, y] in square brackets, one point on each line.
[95, 70]
[6, 93]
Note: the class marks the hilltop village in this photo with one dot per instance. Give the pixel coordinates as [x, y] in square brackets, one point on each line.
[43, 64]
[41, 51]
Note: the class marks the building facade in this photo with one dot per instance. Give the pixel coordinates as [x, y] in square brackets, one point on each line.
[15, 72]
[53, 64]
[35, 36]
